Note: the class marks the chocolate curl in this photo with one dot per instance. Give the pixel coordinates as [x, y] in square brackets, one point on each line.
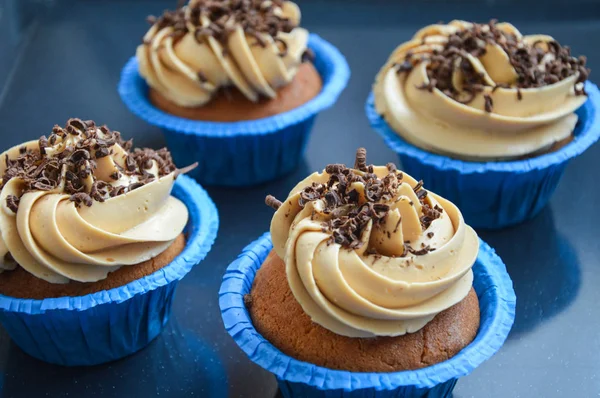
[272, 201]
[183, 170]
[361, 159]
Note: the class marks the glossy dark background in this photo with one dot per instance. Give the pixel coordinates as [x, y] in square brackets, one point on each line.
[61, 59]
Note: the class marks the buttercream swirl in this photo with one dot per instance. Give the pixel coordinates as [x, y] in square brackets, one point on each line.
[68, 213]
[395, 275]
[255, 46]
[503, 96]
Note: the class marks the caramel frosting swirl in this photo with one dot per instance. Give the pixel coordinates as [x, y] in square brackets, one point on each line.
[79, 205]
[255, 46]
[481, 92]
[369, 252]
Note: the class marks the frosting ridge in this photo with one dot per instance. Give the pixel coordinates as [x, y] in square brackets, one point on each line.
[255, 46]
[79, 205]
[369, 252]
[481, 92]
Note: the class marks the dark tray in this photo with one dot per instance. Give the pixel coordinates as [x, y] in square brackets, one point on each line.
[62, 59]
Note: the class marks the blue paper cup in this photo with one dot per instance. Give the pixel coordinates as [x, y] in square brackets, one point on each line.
[111, 324]
[247, 152]
[300, 379]
[493, 194]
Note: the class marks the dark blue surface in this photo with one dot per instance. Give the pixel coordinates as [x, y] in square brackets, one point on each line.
[71, 68]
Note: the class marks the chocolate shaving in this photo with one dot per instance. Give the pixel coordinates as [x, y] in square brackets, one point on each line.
[418, 252]
[202, 77]
[271, 201]
[429, 214]
[81, 198]
[489, 104]
[307, 56]
[12, 202]
[361, 159]
[311, 193]
[130, 163]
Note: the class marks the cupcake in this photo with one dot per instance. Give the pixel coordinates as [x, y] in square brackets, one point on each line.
[94, 238]
[235, 85]
[368, 285]
[487, 116]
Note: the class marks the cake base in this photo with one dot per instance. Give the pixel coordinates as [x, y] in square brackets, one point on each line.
[553, 148]
[233, 106]
[279, 318]
[21, 284]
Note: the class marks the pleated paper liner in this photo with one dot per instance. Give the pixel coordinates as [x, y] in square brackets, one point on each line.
[300, 379]
[111, 324]
[493, 194]
[241, 153]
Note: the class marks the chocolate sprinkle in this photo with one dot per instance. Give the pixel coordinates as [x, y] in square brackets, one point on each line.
[361, 159]
[271, 201]
[81, 198]
[307, 56]
[202, 77]
[12, 202]
[420, 252]
[489, 104]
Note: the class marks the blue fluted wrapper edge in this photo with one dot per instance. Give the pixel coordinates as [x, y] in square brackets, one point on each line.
[108, 325]
[493, 194]
[298, 379]
[245, 152]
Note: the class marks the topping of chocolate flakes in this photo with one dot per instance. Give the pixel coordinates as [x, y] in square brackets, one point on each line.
[43, 173]
[256, 17]
[526, 59]
[348, 217]
[12, 202]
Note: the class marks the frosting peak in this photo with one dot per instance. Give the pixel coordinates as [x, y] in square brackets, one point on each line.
[370, 252]
[481, 91]
[80, 204]
[253, 45]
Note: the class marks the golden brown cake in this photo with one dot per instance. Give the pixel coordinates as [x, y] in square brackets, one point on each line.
[280, 319]
[21, 284]
[369, 272]
[232, 105]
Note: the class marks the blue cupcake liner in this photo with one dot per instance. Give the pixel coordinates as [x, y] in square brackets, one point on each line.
[246, 152]
[111, 324]
[300, 379]
[493, 194]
